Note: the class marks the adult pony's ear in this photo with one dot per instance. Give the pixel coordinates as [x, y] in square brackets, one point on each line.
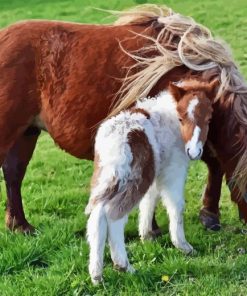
[176, 91]
[212, 89]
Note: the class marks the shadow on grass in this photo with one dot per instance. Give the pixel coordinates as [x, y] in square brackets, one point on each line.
[130, 236]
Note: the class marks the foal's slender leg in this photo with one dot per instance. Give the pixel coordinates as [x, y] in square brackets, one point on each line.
[96, 236]
[117, 245]
[146, 214]
[14, 168]
[209, 213]
[171, 186]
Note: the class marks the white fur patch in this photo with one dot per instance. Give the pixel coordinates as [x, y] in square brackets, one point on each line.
[191, 108]
[194, 147]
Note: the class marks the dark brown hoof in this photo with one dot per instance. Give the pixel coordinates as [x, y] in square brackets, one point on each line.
[209, 220]
[120, 268]
[156, 233]
[151, 235]
[128, 268]
[19, 226]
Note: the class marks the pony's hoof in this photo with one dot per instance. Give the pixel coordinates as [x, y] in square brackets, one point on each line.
[209, 220]
[147, 236]
[26, 229]
[19, 226]
[156, 233]
[193, 252]
[129, 268]
[187, 249]
[151, 235]
[97, 280]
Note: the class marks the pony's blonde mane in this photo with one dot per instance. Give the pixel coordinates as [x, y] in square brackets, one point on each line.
[140, 14]
[180, 41]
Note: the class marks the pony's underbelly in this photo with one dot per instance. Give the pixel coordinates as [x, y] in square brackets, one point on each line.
[75, 141]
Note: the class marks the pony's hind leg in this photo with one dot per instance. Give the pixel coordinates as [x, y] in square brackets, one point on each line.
[146, 214]
[117, 245]
[96, 236]
[14, 168]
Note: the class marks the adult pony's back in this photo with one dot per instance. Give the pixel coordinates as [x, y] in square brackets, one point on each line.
[61, 77]
[64, 77]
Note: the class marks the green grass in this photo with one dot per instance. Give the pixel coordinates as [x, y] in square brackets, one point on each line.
[56, 190]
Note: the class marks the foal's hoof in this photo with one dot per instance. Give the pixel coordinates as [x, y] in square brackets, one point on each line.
[129, 268]
[156, 233]
[192, 252]
[186, 248]
[151, 235]
[209, 220]
[97, 280]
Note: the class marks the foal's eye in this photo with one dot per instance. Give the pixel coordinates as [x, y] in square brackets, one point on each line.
[180, 119]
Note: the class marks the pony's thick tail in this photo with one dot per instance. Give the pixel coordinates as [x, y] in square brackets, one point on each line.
[239, 178]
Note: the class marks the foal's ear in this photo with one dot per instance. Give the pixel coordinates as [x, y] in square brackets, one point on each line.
[176, 91]
[211, 89]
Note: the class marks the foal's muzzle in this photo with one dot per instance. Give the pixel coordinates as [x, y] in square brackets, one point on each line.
[192, 155]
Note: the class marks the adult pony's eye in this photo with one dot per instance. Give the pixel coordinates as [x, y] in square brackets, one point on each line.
[180, 119]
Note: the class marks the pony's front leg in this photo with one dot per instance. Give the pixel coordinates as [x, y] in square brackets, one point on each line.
[96, 235]
[117, 245]
[14, 168]
[146, 213]
[171, 186]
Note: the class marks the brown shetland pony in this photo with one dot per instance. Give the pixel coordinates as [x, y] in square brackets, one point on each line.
[63, 78]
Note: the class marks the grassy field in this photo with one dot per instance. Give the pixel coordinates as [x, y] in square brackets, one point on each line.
[56, 190]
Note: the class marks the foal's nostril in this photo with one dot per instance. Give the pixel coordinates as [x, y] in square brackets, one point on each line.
[199, 154]
[188, 153]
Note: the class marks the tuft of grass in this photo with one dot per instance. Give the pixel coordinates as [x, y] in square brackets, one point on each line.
[56, 189]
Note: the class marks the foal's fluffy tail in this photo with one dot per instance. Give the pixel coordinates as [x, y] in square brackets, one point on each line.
[122, 185]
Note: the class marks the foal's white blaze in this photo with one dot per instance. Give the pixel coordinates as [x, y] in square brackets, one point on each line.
[194, 147]
[191, 108]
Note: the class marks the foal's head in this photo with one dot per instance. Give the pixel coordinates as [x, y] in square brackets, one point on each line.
[194, 106]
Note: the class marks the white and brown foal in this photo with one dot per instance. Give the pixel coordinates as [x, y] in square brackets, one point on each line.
[145, 152]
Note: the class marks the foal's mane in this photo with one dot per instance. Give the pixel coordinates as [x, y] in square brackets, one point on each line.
[181, 41]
